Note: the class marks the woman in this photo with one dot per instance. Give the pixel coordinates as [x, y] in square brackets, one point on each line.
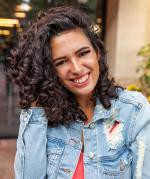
[75, 122]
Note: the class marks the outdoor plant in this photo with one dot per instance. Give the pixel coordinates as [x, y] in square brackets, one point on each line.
[144, 69]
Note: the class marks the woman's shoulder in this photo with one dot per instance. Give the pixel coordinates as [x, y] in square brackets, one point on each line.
[133, 97]
[33, 114]
[135, 109]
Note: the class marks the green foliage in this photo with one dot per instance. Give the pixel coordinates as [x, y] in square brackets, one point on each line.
[144, 69]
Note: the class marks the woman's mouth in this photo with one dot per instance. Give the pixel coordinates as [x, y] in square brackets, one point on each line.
[82, 81]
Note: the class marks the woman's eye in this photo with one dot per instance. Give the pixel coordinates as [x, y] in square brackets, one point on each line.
[83, 53]
[61, 62]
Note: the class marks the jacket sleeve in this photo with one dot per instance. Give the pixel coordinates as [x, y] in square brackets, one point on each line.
[140, 141]
[31, 158]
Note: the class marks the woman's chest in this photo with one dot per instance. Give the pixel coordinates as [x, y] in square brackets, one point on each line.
[106, 153]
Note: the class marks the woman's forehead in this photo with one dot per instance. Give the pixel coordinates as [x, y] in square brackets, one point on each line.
[69, 41]
[69, 38]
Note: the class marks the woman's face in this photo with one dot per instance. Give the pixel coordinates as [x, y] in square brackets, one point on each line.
[76, 62]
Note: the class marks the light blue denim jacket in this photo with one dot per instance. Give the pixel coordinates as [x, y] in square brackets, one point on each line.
[116, 143]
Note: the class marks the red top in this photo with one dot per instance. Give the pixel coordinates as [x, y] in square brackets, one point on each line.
[79, 172]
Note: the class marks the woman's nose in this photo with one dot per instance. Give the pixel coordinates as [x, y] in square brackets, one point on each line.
[76, 67]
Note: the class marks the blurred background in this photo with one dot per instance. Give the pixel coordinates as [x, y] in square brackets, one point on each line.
[125, 29]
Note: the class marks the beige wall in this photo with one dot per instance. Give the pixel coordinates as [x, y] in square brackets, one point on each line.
[127, 30]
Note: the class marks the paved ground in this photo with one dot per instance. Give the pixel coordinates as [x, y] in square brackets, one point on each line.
[7, 154]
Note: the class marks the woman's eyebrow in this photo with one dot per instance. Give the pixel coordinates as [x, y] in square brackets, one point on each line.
[83, 48]
[59, 58]
[79, 50]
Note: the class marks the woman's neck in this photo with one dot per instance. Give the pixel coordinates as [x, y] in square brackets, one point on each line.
[87, 107]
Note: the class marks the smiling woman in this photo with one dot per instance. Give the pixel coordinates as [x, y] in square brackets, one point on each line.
[75, 122]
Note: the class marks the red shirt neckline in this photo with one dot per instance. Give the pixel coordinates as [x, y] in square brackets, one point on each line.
[79, 171]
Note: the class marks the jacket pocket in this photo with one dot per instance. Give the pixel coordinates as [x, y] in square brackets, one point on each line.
[117, 167]
[55, 148]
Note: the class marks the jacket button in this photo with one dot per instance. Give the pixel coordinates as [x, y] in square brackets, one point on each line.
[122, 165]
[92, 125]
[91, 155]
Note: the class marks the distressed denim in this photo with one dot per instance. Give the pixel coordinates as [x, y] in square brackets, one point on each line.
[116, 143]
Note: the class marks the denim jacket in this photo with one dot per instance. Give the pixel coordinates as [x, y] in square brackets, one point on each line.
[116, 143]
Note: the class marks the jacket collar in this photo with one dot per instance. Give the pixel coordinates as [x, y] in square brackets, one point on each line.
[101, 113]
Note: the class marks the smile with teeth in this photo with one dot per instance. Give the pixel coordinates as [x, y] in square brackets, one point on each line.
[82, 79]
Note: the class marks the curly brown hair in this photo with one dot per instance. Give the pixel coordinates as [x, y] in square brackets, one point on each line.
[29, 65]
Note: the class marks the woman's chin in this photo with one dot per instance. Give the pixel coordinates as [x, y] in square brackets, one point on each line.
[83, 93]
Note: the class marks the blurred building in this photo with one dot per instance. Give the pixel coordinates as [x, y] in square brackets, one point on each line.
[127, 30]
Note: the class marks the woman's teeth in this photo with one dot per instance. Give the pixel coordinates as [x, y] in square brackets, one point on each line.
[81, 80]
